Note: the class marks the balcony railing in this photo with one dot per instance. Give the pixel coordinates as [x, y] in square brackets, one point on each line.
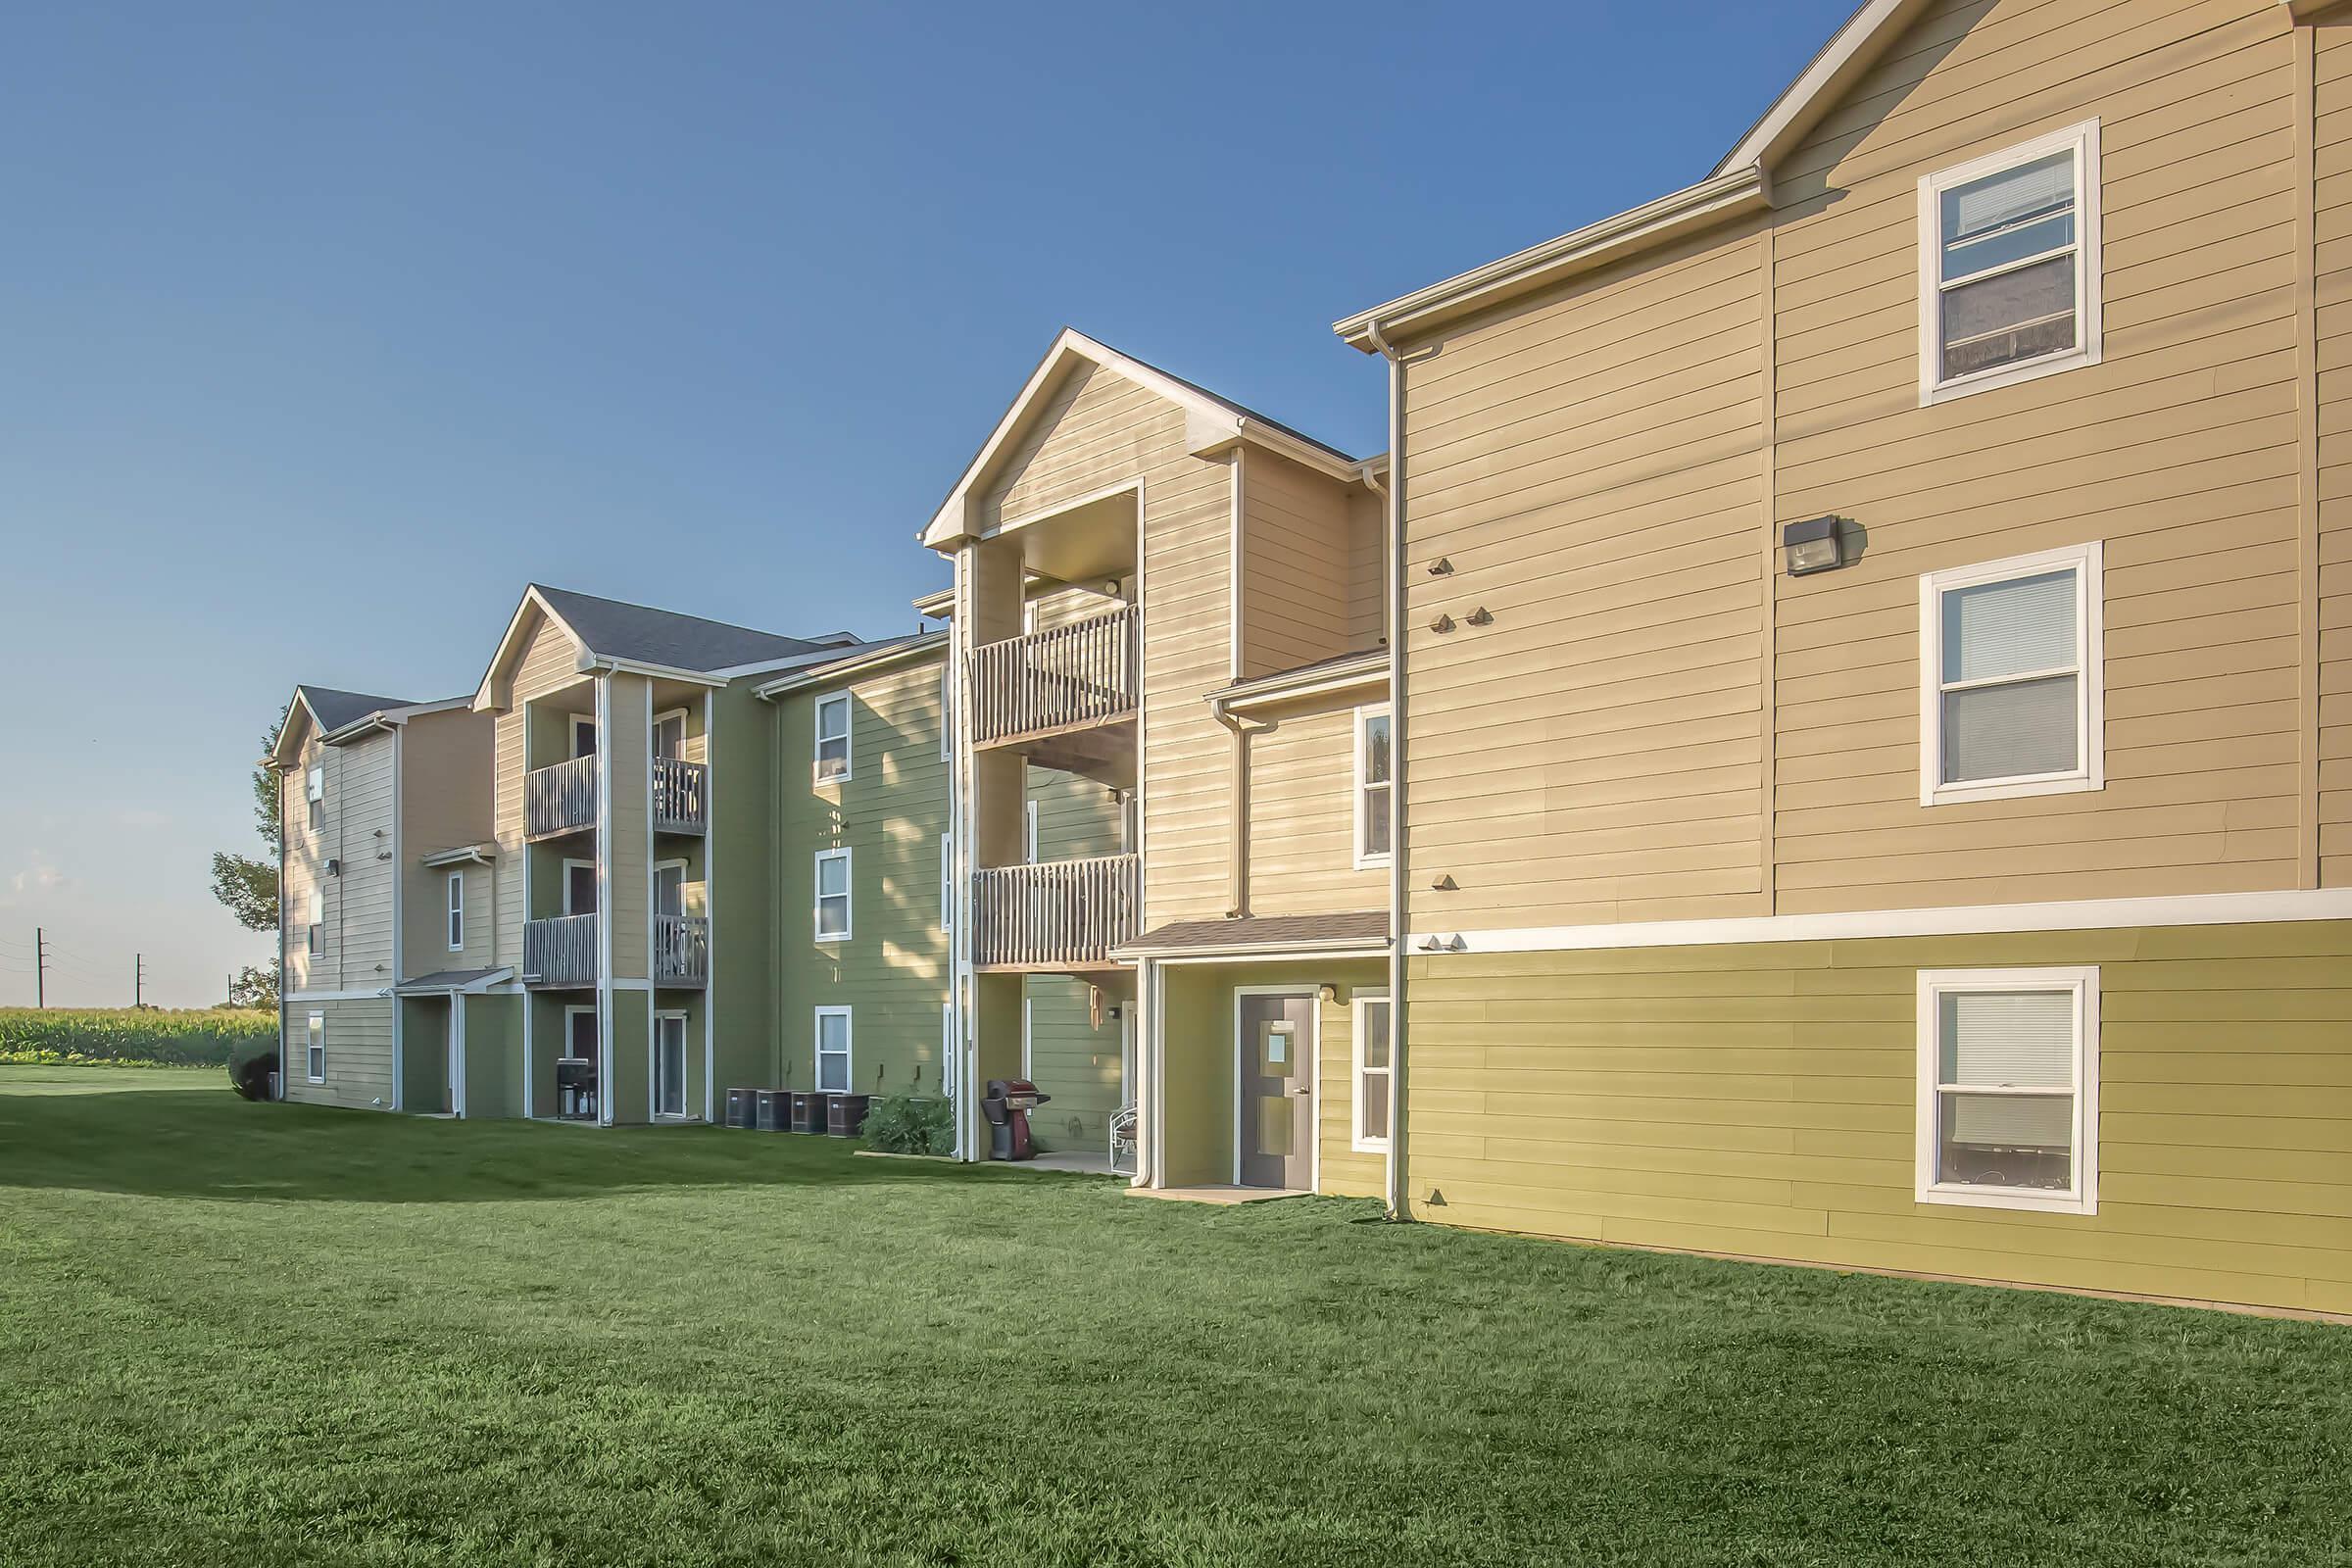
[561, 951]
[1081, 673]
[681, 949]
[560, 798]
[1054, 915]
[681, 795]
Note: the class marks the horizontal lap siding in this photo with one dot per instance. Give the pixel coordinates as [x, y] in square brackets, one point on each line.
[890, 814]
[1592, 469]
[446, 789]
[628, 745]
[1342, 1171]
[1303, 819]
[359, 900]
[1760, 1100]
[2332, 234]
[548, 663]
[1076, 817]
[1295, 566]
[359, 1053]
[2179, 451]
[1075, 1062]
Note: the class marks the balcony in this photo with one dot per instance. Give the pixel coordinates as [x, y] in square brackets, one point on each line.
[1053, 683]
[1058, 916]
[681, 795]
[561, 951]
[560, 800]
[681, 949]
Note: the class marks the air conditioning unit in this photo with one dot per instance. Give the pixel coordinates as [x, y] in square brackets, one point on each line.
[772, 1110]
[845, 1115]
[740, 1107]
[808, 1110]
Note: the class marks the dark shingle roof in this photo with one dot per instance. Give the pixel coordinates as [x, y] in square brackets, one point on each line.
[333, 708]
[636, 632]
[1263, 931]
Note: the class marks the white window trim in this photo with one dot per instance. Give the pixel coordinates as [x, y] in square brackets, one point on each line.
[1357, 1139]
[652, 1069]
[946, 708]
[1368, 860]
[578, 722]
[1028, 1038]
[568, 865]
[848, 1052]
[564, 1047]
[654, 728]
[313, 1045]
[313, 795]
[682, 868]
[2084, 140]
[453, 913]
[1029, 832]
[849, 895]
[2090, 695]
[315, 933]
[817, 738]
[2083, 982]
[947, 882]
[947, 1050]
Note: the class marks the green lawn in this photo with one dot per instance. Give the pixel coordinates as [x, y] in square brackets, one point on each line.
[251, 1335]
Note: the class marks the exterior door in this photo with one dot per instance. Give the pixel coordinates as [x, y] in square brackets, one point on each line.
[669, 1064]
[1276, 1084]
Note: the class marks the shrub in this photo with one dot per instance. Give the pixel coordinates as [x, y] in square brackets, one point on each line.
[907, 1124]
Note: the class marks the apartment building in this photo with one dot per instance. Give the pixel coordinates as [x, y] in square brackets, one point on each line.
[384, 805]
[1828, 738]
[1872, 774]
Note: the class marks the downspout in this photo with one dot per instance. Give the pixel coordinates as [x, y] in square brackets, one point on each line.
[1400, 1121]
[1236, 869]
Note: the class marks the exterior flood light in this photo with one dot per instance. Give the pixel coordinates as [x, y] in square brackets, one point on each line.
[1811, 546]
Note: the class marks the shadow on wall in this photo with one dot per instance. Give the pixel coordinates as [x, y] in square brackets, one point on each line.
[179, 1144]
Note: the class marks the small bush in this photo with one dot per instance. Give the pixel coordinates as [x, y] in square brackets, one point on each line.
[906, 1124]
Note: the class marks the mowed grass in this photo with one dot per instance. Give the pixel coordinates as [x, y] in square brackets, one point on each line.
[253, 1335]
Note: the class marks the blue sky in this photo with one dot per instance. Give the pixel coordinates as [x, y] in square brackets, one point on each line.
[704, 306]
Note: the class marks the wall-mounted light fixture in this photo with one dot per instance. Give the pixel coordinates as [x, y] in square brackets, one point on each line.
[1811, 546]
[1327, 994]
[334, 868]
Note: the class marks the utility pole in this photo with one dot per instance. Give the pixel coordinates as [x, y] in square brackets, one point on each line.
[40, 970]
[138, 980]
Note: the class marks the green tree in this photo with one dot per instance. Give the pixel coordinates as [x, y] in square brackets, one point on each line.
[247, 885]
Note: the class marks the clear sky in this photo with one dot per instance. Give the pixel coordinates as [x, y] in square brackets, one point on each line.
[323, 329]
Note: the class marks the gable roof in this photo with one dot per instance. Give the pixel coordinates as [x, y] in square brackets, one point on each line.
[1212, 423]
[661, 642]
[337, 716]
[1741, 182]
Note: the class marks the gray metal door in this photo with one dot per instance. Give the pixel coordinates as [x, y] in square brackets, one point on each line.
[1276, 1091]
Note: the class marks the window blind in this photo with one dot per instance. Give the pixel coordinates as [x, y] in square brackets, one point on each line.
[2008, 1039]
[2013, 731]
[2009, 628]
[2044, 187]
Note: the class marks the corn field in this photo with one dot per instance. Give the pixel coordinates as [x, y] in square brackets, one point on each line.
[195, 1038]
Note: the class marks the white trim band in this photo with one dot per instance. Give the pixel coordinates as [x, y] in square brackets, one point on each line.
[2087, 915]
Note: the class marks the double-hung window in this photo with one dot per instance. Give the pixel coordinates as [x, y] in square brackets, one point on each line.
[315, 792]
[316, 935]
[456, 912]
[833, 895]
[947, 882]
[2009, 266]
[1374, 825]
[2008, 1088]
[833, 737]
[1372, 1067]
[833, 1049]
[2010, 700]
[314, 1056]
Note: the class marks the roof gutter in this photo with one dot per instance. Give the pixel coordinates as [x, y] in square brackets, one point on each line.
[1713, 200]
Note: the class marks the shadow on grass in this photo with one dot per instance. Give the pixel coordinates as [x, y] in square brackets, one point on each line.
[176, 1143]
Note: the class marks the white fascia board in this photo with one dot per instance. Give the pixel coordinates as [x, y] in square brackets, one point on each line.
[912, 651]
[461, 854]
[1711, 201]
[1258, 952]
[1853, 49]
[1361, 674]
[1988, 919]
[485, 697]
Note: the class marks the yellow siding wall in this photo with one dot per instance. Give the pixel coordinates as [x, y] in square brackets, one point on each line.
[356, 827]
[1303, 819]
[1295, 565]
[446, 789]
[2332, 77]
[548, 664]
[1342, 1171]
[628, 742]
[1591, 467]
[2179, 451]
[1367, 574]
[1760, 1100]
[1100, 430]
